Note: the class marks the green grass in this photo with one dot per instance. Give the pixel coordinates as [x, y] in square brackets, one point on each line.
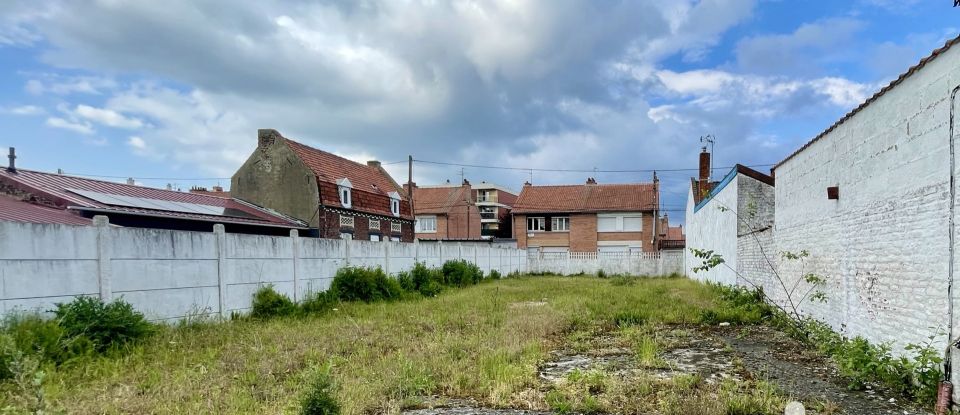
[482, 342]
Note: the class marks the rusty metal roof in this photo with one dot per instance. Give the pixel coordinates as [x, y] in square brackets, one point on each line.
[16, 210]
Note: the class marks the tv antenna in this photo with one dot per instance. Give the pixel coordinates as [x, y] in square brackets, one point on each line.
[709, 139]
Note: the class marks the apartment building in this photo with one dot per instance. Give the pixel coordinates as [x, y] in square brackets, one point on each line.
[495, 203]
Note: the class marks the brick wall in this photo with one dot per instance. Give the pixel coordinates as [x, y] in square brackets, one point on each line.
[520, 230]
[583, 232]
[330, 227]
[884, 245]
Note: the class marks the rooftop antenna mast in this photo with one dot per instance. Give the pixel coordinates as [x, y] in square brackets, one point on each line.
[709, 139]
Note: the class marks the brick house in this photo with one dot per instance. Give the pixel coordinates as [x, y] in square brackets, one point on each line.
[589, 217]
[336, 196]
[446, 212]
[672, 238]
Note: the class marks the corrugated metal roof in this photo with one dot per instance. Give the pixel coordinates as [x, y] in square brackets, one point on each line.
[15, 210]
[55, 188]
[587, 198]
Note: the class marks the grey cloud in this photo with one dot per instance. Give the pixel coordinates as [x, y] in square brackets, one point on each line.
[804, 52]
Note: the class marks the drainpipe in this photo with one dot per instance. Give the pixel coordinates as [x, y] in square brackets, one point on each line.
[944, 394]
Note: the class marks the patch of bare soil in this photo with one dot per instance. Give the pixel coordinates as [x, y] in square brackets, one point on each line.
[771, 355]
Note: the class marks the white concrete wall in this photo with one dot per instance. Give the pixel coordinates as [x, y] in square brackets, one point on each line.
[172, 274]
[642, 263]
[884, 245]
[756, 253]
[714, 227]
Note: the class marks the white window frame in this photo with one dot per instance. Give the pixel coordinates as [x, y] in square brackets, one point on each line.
[542, 221]
[374, 237]
[420, 222]
[344, 189]
[373, 224]
[347, 221]
[395, 203]
[554, 222]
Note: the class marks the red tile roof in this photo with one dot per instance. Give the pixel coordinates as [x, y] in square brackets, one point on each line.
[913, 69]
[675, 233]
[55, 189]
[440, 200]
[15, 210]
[587, 198]
[329, 168]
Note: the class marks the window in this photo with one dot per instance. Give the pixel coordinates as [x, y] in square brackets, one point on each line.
[606, 223]
[343, 188]
[619, 222]
[426, 224]
[396, 227]
[395, 239]
[346, 235]
[535, 224]
[346, 221]
[614, 248]
[375, 238]
[395, 203]
[374, 224]
[560, 224]
[632, 223]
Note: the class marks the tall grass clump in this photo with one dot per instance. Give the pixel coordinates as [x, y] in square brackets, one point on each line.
[107, 325]
[267, 303]
[319, 302]
[365, 284]
[461, 273]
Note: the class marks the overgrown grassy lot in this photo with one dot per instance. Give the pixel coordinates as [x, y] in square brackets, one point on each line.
[484, 343]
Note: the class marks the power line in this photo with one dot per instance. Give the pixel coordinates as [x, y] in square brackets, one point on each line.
[478, 166]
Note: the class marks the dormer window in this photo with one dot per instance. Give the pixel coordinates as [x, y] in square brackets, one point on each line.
[395, 203]
[344, 188]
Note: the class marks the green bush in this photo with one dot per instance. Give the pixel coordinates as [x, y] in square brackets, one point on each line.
[461, 273]
[494, 275]
[267, 303]
[601, 274]
[107, 325]
[365, 284]
[320, 399]
[427, 281]
[319, 303]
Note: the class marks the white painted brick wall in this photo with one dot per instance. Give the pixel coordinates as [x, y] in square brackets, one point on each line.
[883, 246]
[714, 227]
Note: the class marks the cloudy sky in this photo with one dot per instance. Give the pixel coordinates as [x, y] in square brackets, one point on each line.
[174, 91]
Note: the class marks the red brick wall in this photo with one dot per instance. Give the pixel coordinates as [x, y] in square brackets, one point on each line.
[520, 230]
[330, 227]
[583, 232]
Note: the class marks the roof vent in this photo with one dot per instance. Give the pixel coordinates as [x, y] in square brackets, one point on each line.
[12, 167]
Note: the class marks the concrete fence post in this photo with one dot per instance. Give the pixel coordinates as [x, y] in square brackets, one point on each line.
[476, 258]
[347, 241]
[416, 251]
[295, 242]
[500, 259]
[659, 263]
[440, 250]
[104, 267]
[386, 257]
[220, 232]
[567, 266]
[459, 250]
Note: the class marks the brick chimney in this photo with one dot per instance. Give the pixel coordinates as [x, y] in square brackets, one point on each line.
[12, 167]
[373, 163]
[130, 181]
[704, 165]
[218, 188]
[266, 137]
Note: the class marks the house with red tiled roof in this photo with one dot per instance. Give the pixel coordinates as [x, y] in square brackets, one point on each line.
[332, 194]
[39, 197]
[446, 212]
[672, 238]
[590, 217]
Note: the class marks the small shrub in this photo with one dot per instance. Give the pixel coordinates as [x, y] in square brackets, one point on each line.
[601, 274]
[406, 281]
[268, 303]
[365, 284]
[107, 325]
[427, 281]
[494, 275]
[320, 399]
[461, 273]
[629, 318]
[319, 303]
[32, 334]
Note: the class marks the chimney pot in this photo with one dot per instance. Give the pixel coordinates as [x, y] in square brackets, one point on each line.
[466, 182]
[130, 181]
[527, 183]
[591, 180]
[373, 163]
[12, 167]
[266, 137]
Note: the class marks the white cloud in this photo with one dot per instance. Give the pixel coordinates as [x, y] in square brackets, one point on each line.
[81, 128]
[67, 85]
[137, 143]
[804, 51]
[25, 110]
[107, 117]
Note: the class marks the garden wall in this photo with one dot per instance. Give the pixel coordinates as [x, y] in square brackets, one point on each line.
[630, 263]
[172, 274]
